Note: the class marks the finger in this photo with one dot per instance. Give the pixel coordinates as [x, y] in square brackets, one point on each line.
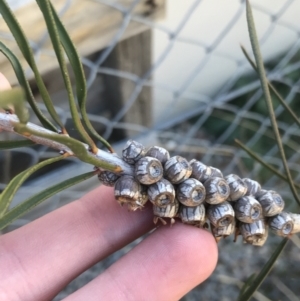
[4, 83]
[165, 266]
[45, 255]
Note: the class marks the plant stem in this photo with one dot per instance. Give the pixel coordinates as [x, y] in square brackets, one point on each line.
[268, 99]
[7, 122]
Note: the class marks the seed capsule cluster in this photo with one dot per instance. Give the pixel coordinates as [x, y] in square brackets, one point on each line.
[199, 195]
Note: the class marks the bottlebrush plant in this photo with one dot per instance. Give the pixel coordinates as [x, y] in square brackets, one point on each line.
[198, 194]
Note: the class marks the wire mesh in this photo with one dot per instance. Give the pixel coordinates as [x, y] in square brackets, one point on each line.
[195, 111]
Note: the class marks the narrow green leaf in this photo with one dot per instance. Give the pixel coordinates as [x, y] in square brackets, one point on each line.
[264, 84]
[38, 198]
[246, 285]
[51, 25]
[273, 90]
[80, 80]
[24, 46]
[263, 273]
[25, 85]
[10, 190]
[9, 144]
[76, 146]
[15, 98]
[263, 163]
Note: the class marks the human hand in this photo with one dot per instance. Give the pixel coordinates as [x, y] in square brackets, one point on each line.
[38, 260]
[41, 258]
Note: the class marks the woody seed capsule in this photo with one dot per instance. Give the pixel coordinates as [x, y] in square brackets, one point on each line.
[282, 224]
[220, 215]
[271, 202]
[177, 169]
[127, 190]
[161, 193]
[248, 209]
[215, 172]
[259, 242]
[255, 233]
[193, 215]
[237, 187]
[217, 190]
[107, 178]
[260, 193]
[133, 151]
[191, 192]
[141, 201]
[296, 220]
[223, 232]
[200, 171]
[159, 153]
[253, 187]
[169, 211]
[148, 170]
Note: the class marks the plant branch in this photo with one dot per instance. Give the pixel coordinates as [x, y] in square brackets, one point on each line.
[9, 121]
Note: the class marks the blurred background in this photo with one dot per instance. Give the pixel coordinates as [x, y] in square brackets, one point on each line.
[171, 73]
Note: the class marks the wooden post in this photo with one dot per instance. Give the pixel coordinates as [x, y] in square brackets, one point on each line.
[132, 55]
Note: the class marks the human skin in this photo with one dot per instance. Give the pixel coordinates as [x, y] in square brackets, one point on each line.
[39, 259]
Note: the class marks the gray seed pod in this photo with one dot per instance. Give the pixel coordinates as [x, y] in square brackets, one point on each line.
[223, 232]
[133, 151]
[296, 220]
[127, 190]
[169, 211]
[215, 172]
[248, 209]
[260, 193]
[177, 169]
[107, 178]
[259, 242]
[237, 187]
[191, 192]
[253, 187]
[271, 202]
[161, 193]
[193, 215]
[282, 224]
[217, 190]
[220, 215]
[200, 171]
[142, 200]
[148, 170]
[255, 233]
[159, 153]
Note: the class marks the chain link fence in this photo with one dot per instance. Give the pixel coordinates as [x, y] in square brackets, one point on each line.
[182, 82]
